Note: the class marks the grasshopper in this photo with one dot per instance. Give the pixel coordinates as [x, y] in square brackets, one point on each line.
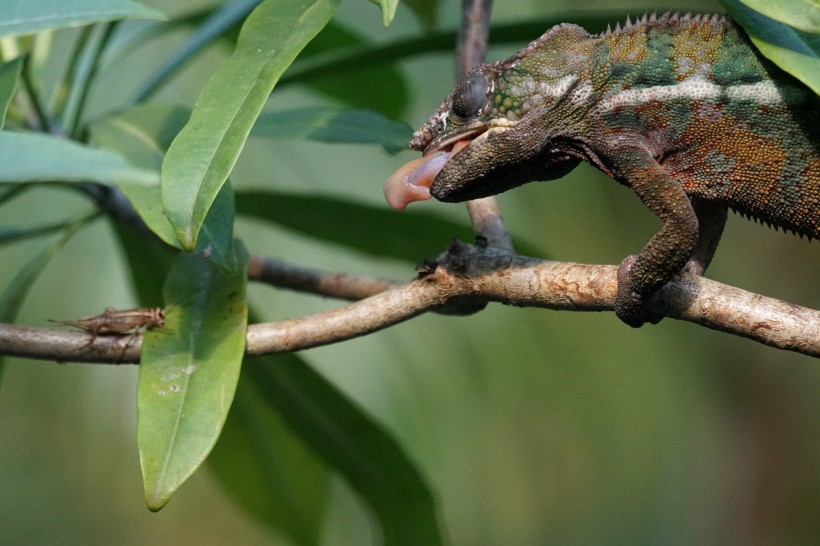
[113, 322]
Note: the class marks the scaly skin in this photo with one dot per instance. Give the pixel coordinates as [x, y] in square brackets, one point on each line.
[682, 109]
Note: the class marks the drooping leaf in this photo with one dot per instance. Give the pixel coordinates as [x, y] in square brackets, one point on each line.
[9, 75]
[35, 157]
[388, 9]
[349, 441]
[796, 52]
[189, 372]
[331, 125]
[376, 231]
[204, 153]
[142, 134]
[22, 17]
[271, 473]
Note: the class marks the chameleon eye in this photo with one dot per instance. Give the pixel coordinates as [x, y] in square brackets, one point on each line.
[469, 95]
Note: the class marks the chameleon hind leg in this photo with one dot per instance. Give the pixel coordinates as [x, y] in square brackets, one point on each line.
[711, 221]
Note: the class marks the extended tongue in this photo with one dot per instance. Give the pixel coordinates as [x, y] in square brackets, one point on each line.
[411, 182]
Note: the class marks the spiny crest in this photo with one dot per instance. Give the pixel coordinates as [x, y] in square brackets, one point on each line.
[654, 20]
[647, 21]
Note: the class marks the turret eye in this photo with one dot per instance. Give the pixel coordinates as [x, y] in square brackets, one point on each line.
[469, 95]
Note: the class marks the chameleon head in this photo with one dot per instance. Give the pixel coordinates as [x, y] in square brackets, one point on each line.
[488, 136]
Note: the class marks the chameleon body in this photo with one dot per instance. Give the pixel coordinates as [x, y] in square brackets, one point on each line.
[682, 109]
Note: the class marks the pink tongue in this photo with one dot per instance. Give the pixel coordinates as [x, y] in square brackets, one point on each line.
[412, 181]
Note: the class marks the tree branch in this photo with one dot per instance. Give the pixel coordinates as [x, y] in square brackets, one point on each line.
[466, 277]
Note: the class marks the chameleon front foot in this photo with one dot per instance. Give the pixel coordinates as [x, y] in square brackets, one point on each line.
[630, 304]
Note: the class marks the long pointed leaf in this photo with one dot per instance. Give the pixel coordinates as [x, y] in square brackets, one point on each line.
[209, 30]
[188, 373]
[349, 441]
[203, 155]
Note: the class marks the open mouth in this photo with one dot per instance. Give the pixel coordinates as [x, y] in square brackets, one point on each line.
[411, 182]
[448, 142]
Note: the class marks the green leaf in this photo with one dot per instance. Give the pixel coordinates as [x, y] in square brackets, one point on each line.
[142, 134]
[795, 52]
[9, 76]
[29, 16]
[34, 157]
[203, 155]
[348, 440]
[189, 372]
[800, 14]
[271, 473]
[388, 9]
[338, 126]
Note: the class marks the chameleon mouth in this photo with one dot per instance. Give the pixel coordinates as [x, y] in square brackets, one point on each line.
[412, 181]
[448, 142]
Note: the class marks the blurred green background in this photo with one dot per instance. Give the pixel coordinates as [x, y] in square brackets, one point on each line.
[531, 426]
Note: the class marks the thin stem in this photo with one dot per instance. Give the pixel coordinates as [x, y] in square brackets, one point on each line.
[470, 52]
[209, 30]
[314, 281]
[38, 119]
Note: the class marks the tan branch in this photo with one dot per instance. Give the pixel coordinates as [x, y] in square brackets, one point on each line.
[465, 279]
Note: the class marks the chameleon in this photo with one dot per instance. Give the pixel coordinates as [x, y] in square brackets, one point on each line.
[682, 109]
